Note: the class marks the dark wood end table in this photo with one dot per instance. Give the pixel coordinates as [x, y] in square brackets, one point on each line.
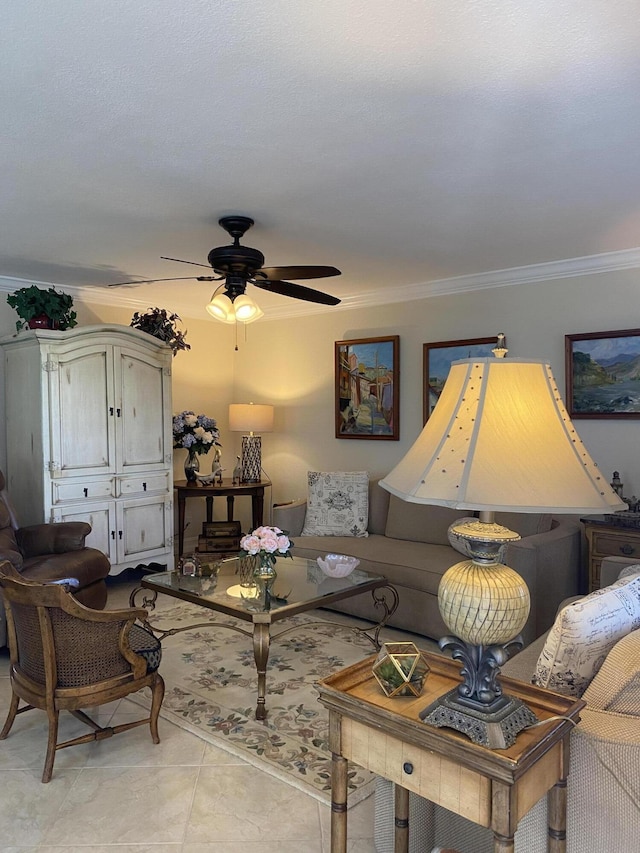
[608, 537]
[227, 489]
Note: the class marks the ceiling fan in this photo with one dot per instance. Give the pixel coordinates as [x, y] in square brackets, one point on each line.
[238, 266]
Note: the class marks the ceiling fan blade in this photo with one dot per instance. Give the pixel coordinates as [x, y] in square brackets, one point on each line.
[279, 273]
[179, 261]
[297, 291]
[154, 280]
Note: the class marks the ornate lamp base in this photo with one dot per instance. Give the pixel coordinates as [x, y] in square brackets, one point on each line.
[478, 708]
[493, 729]
[251, 458]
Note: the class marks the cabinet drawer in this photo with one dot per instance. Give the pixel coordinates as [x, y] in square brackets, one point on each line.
[143, 483]
[69, 491]
[616, 544]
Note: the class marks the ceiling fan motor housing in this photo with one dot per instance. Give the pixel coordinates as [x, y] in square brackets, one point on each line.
[242, 260]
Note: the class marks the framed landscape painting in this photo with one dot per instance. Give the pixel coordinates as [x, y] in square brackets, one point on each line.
[437, 359]
[368, 388]
[603, 374]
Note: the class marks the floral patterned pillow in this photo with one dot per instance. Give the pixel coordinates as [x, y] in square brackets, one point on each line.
[585, 632]
[337, 504]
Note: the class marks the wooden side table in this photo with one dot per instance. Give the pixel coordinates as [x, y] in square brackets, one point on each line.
[607, 539]
[227, 489]
[493, 788]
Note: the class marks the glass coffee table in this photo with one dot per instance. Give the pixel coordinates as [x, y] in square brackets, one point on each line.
[300, 586]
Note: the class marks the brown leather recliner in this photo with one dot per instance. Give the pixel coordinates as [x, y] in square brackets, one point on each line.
[50, 552]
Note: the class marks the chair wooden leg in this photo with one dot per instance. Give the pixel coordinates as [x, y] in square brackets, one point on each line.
[157, 695]
[51, 744]
[13, 711]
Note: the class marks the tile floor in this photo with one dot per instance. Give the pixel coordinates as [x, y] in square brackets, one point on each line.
[125, 795]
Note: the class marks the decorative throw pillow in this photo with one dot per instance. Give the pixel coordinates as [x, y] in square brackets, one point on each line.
[584, 633]
[337, 504]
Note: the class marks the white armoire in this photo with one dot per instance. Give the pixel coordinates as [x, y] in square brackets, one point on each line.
[89, 437]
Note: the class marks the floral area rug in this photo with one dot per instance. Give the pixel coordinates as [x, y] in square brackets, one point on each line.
[211, 690]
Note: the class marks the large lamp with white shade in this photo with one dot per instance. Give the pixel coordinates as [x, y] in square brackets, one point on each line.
[499, 439]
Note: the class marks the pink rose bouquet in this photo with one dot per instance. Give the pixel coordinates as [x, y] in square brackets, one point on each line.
[267, 540]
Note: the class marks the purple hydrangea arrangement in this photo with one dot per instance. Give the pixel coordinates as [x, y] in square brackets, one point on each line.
[195, 433]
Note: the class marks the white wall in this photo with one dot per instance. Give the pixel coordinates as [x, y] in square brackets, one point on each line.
[290, 363]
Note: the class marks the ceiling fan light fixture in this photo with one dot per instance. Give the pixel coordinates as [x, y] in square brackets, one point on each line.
[255, 316]
[245, 308]
[221, 308]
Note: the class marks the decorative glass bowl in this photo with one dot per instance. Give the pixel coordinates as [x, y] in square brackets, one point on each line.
[400, 669]
[337, 565]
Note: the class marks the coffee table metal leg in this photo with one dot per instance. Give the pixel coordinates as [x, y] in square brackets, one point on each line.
[261, 640]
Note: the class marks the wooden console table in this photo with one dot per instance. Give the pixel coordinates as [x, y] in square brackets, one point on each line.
[607, 539]
[493, 788]
[227, 489]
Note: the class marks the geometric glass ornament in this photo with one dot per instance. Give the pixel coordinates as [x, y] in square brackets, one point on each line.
[400, 669]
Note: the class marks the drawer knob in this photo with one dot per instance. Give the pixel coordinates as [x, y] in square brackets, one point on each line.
[627, 550]
[408, 768]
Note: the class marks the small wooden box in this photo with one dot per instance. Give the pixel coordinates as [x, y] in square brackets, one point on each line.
[214, 529]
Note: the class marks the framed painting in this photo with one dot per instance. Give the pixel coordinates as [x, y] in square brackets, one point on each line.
[603, 374]
[437, 359]
[368, 388]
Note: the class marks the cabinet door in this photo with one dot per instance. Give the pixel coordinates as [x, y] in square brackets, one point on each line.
[143, 392]
[102, 518]
[81, 411]
[143, 529]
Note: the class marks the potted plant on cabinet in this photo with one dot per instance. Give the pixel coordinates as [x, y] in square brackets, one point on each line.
[42, 309]
[160, 324]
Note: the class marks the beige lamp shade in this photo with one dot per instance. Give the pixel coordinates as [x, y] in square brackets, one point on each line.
[250, 417]
[500, 439]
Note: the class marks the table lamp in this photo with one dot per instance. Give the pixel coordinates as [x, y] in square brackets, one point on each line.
[251, 419]
[499, 439]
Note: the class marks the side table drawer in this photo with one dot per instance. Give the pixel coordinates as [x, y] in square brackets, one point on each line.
[622, 544]
[421, 771]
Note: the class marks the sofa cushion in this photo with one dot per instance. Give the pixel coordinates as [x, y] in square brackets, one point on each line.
[378, 507]
[420, 522]
[584, 633]
[337, 504]
[415, 565]
[87, 566]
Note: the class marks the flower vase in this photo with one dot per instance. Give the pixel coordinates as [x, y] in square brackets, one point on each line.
[265, 574]
[191, 466]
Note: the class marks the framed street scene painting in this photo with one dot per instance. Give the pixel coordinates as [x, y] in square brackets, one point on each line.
[367, 388]
[603, 374]
[437, 359]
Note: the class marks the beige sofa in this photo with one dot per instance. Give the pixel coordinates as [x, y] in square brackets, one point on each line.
[603, 799]
[409, 545]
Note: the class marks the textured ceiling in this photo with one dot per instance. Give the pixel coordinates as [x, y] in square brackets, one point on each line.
[402, 142]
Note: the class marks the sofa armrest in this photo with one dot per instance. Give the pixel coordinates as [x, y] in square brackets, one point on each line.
[58, 538]
[550, 564]
[290, 517]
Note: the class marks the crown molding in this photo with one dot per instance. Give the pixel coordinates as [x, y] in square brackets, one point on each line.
[604, 262]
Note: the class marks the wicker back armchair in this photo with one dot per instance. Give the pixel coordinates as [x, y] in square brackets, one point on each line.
[65, 656]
